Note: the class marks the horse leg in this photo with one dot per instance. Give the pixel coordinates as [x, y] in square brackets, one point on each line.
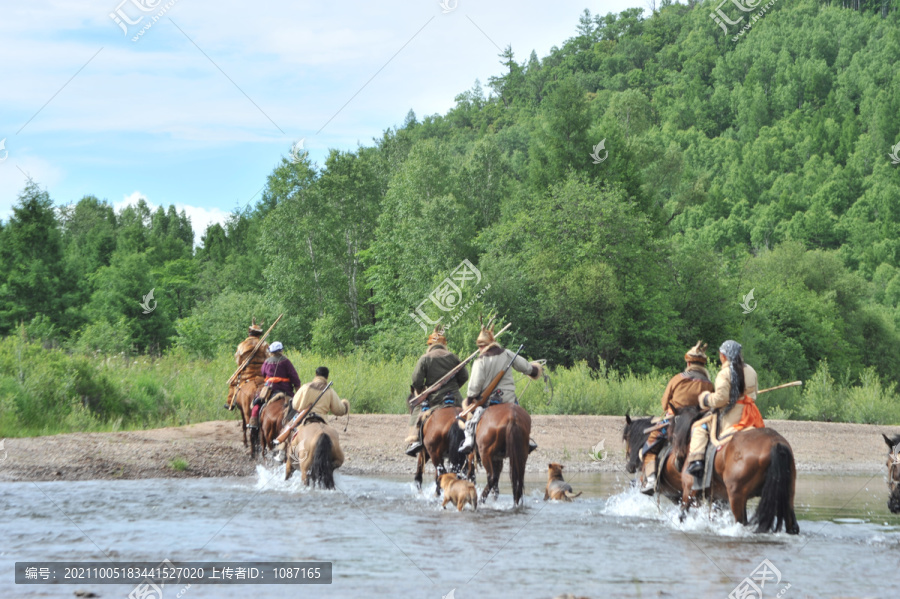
[495, 484]
[470, 467]
[304, 468]
[737, 498]
[288, 465]
[687, 495]
[420, 467]
[243, 423]
[489, 471]
[439, 470]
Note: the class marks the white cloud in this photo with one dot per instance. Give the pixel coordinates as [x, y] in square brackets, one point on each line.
[200, 217]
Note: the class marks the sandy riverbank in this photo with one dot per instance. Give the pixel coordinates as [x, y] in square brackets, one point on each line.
[373, 445]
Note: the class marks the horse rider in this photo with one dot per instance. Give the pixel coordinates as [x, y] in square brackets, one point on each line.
[683, 391]
[329, 403]
[436, 362]
[488, 365]
[735, 390]
[253, 371]
[281, 380]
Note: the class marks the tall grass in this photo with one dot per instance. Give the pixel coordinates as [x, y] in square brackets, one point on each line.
[47, 391]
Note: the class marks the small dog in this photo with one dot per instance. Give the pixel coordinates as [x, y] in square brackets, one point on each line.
[557, 488]
[458, 491]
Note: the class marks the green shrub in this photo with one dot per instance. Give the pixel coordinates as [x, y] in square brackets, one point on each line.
[45, 391]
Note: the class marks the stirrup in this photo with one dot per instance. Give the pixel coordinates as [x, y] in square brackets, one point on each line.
[466, 449]
[413, 448]
[695, 468]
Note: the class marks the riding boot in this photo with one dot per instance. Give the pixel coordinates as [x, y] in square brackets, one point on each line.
[531, 445]
[254, 417]
[414, 438]
[696, 468]
[649, 486]
[469, 444]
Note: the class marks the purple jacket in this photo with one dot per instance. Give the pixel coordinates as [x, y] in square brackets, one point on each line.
[281, 368]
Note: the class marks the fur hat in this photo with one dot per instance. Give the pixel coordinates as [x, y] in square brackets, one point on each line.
[697, 354]
[437, 336]
[486, 336]
[255, 330]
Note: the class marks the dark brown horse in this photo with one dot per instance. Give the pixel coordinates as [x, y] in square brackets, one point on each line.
[756, 462]
[441, 437]
[270, 422]
[893, 466]
[241, 395]
[503, 432]
[669, 477]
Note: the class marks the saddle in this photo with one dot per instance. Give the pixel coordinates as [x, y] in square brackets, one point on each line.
[709, 467]
[448, 402]
[661, 464]
[311, 418]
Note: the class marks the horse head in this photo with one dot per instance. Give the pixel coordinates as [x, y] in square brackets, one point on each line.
[681, 432]
[893, 478]
[634, 437]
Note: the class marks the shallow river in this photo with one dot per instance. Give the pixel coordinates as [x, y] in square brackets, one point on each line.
[387, 540]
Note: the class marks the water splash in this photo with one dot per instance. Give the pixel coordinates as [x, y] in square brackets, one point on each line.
[631, 503]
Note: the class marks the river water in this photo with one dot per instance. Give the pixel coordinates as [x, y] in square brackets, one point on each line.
[386, 540]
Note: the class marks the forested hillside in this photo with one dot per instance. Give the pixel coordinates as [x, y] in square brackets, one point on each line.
[726, 166]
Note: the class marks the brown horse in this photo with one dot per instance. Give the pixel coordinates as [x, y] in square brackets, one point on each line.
[503, 432]
[270, 422]
[243, 394]
[756, 462]
[669, 484]
[316, 451]
[893, 466]
[442, 437]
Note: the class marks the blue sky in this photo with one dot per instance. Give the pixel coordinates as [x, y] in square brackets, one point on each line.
[203, 105]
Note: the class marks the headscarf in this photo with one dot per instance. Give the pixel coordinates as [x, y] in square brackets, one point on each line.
[732, 352]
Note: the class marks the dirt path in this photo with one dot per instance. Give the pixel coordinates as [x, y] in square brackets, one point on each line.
[373, 445]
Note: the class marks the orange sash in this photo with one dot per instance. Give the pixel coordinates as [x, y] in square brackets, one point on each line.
[277, 379]
[750, 417]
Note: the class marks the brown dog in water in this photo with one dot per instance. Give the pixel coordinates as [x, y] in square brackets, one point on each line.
[557, 488]
[459, 491]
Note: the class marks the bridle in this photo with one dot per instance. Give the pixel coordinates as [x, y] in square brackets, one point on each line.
[894, 468]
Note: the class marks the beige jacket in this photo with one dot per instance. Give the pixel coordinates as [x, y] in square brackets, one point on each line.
[330, 402]
[718, 399]
[489, 365]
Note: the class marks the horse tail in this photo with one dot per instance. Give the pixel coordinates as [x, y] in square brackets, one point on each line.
[775, 504]
[321, 471]
[455, 438]
[517, 452]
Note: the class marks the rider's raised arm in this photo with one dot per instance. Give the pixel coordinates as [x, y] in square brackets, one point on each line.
[336, 405]
[520, 364]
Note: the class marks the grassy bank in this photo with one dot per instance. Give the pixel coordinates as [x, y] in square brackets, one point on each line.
[52, 391]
